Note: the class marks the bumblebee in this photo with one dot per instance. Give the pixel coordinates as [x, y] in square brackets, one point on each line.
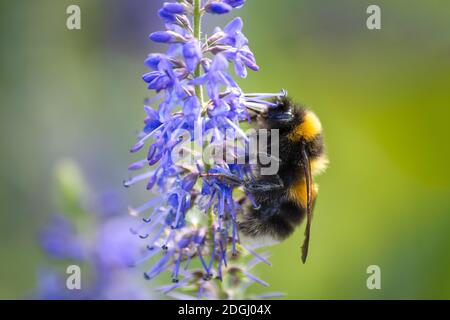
[283, 200]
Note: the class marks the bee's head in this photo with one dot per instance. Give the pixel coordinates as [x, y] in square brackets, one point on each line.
[297, 122]
[284, 116]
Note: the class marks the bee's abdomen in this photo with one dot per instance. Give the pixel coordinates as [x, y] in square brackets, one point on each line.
[277, 219]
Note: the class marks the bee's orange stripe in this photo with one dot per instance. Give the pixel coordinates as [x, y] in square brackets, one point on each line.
[298, 194]
[308, 129]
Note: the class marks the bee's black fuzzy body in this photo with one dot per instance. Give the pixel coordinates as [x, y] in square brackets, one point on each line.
[284, 199]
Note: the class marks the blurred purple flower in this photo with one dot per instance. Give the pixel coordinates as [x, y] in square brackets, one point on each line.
[115, 246]
[108, 250]
[60, 240]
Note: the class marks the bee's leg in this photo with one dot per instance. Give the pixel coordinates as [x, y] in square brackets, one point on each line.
[274, 183]
[253, 115]
[231, 180]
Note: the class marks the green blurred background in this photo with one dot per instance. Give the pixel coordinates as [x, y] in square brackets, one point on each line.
[383, 97]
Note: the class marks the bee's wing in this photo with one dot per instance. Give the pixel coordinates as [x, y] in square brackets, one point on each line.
[309, 182]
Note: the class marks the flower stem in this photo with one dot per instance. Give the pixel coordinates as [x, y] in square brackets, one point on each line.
[197, 35]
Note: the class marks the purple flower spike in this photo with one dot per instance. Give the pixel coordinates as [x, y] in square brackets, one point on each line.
[197, 105]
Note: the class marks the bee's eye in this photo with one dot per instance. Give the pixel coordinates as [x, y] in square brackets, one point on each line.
[280, 116]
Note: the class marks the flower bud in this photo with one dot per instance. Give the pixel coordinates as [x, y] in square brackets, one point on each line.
[166, 37]
[218, 8]
[173, 7]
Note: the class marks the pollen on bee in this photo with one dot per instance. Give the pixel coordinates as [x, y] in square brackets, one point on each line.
[308, 129]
